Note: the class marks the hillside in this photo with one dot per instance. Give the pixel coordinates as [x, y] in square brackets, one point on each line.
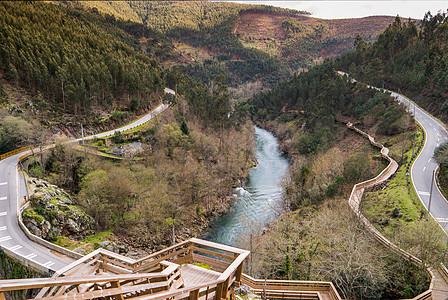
[408, 57]
[254, 46]
[305, 38]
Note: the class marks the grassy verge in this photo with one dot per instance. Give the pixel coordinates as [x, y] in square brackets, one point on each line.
[396, 211]
[88, 244]
[397, 203]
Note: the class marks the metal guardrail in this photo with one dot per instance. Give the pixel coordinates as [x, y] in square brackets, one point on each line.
[10, 153]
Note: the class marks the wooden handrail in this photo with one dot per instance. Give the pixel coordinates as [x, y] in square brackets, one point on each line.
[32, 283]
[291, 286]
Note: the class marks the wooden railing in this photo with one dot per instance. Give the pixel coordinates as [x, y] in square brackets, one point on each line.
[291, 289]
[355, 200]
[158, 276]
[226, 259]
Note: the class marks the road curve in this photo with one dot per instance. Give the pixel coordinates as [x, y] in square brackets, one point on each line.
[424, 165]
[12, 192]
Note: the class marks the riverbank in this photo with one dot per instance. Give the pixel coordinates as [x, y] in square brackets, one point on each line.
[259, 201]
[184, 178]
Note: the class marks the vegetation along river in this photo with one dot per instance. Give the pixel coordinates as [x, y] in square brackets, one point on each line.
[259, 200]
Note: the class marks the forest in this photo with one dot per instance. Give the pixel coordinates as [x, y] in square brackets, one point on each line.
[410, 56]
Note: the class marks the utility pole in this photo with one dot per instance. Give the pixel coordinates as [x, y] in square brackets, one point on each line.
[430, 195]
[82, 133]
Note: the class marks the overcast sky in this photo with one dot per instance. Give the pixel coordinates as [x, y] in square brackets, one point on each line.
[355, 9]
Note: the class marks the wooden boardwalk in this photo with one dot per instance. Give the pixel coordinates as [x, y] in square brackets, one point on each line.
[194, 275]
[165, 275]
[440, 287]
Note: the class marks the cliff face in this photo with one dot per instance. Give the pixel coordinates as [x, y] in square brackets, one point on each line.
[11, 270]
[53, 213]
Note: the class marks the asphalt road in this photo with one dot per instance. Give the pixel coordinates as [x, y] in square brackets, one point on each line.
[12, 191]
[424, 166]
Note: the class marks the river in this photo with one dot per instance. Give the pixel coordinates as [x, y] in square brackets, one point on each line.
[259, 200]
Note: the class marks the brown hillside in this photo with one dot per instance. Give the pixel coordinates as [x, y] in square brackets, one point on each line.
[324, 38]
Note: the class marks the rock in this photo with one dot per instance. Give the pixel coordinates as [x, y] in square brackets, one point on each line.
[108, 245]
[72, 226]
[80, 251]
[52, 212]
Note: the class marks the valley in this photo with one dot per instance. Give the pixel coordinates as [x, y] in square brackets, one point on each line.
[143, 126]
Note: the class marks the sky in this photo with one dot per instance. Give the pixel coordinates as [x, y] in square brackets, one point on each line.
[356, 9]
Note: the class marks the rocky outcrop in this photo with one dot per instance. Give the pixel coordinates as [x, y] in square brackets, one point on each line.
[52, 212]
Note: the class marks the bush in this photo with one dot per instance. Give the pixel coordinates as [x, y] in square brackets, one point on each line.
[357, 168]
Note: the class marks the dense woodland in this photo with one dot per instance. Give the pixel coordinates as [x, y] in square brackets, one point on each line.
[88, 64]
[409, 56]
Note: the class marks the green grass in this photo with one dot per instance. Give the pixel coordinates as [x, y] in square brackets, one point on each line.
[377, 205]
[97, 238]
[89, 243]
[67, 243]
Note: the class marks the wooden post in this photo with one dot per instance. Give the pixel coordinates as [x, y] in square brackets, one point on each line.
[2, 296]
[239, 273]
[194, 295]
[218, 292]
[116, 284]
[225, 288]
[190, 252]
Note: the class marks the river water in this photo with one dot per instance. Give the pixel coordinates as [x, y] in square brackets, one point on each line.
[259, 200]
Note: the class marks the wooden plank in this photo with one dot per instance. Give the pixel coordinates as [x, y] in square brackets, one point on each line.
[77, 263]
[29, 283]
[194, 295]
[218, 264]
[187, 259]
[117, 290]
[232, 268]
[116, 263]
[217, 246]
[206, 251]
[82, 266]
[162, 251]
[118, 270]
[116, 285]
[160, 259]
[125, 259]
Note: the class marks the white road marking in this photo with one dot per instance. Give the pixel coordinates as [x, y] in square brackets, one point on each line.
[3, 213]
[424, 168]
[30, 256]
[49, 263]
[2, 228]
[442, 220]
[5, 238]
[16, 247]
[3, 183]
[423, 193]
[430, 160]
[3, 198]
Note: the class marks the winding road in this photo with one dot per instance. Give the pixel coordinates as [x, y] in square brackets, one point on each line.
[12, 188]
[424, 165]
[12, 191]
